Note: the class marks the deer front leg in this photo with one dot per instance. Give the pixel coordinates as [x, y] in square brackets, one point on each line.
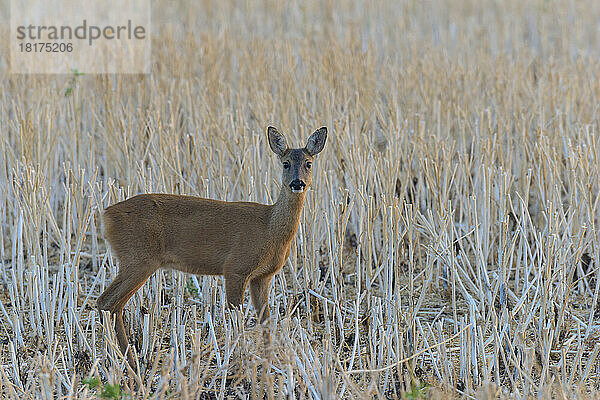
[259, 289]
[235, 285]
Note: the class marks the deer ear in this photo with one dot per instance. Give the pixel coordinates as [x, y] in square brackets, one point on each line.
[316, 141]
[276, 141]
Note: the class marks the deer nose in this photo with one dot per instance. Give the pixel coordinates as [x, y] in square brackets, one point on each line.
[297, 186]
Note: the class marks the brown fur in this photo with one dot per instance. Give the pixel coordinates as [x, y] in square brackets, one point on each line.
[245, 242]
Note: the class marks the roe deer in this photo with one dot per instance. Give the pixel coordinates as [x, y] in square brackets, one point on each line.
[245, 242]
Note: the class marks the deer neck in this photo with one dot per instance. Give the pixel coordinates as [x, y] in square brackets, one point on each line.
[285, 216]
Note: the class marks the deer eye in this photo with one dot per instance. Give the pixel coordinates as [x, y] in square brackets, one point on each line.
[286, 164]
[308, 165]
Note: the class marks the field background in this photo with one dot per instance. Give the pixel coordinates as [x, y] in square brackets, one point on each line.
[449, 244]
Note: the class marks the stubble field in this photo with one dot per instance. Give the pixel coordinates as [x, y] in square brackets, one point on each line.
[449, 245]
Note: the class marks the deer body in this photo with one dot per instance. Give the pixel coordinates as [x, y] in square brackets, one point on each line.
[245, 242]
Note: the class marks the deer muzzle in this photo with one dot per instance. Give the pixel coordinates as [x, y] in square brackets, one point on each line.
[297, 186]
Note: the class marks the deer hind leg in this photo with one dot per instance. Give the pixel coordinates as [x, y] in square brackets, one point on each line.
[129, 279]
